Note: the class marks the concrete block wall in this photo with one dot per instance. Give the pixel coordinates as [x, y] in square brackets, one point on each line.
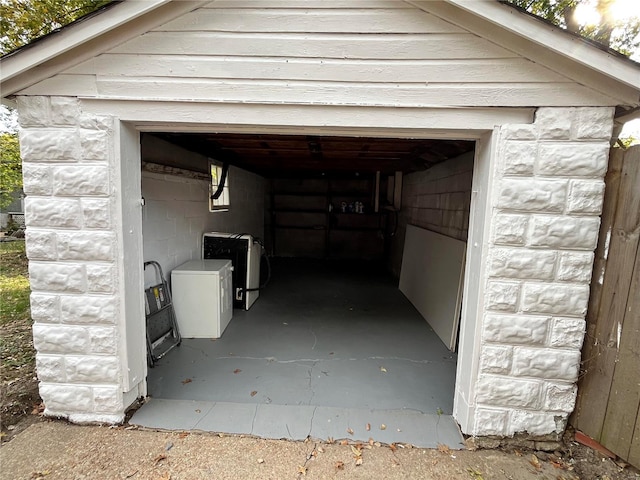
[437, 199]
[176, 214]
[72, 245]
[547, 196]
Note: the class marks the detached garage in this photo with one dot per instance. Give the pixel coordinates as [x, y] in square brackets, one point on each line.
[393, 163]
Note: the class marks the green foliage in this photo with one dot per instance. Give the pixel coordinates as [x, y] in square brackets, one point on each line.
[620, 35]
[627, 142]
[14, 282]
[17, 356]
[10, 168]
[22, 21]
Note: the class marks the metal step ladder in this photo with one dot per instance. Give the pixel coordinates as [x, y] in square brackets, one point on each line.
[161, 325]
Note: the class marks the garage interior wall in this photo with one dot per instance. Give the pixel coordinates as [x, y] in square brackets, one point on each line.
[176, 211]
[437, 199]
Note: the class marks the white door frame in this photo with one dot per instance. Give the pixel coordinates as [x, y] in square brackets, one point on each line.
[471, 124]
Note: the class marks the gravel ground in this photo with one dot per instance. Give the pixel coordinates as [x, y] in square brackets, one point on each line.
[57, 450]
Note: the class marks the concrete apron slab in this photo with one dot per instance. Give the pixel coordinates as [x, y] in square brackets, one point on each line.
[297, 422]
[324, 351]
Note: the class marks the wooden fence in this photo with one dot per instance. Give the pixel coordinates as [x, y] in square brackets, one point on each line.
[608, 402]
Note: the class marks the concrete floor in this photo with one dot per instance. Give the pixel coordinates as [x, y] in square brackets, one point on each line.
[328, 348]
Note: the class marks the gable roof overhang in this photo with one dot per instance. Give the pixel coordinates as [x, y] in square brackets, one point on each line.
[504, 24]
[83, 39]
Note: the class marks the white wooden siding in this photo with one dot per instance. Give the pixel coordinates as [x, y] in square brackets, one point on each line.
[385, 53]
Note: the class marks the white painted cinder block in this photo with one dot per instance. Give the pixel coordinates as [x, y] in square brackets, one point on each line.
[534, 422]
[57, 277]
[51, 368]
[96, 213]
[554, 123]
[493, 421]
[64, 111]
[496, 359]
[594, 123]
[72, 246]
[575, 266]
[88, 309]
[49, 145]
[573, 159]
[508, 391]
[546, 364]
[567, 333]
[558, 299]
[510, 229]
[519, 157]
[80, 180]
[92, 369]
[532, 195]
[37, 179]
[90, 246]
[560, 397]
[585, 196]
[522, 263]
[66, 398]
[516, 329]
[579, 233]
[537, 281]
[100, 278]
[48, 212]
[502, 296]
[41, 244]
[62, 339]
[45, 308]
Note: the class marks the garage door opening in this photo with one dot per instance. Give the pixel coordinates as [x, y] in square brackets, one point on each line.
[331, 346]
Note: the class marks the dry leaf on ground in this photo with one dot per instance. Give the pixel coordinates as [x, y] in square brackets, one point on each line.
[368, 427]
[350, 431]
[383, 427]
[475, 474]
[159, 458]
[535, 462]
[339, 465]
[442, 448]
[237, 370]
[253, 393]
[186, 380]
[302, 470]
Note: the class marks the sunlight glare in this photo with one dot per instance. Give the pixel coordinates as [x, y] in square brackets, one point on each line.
[586, 14]
[624, 9]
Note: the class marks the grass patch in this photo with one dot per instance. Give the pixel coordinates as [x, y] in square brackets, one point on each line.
[16, 345]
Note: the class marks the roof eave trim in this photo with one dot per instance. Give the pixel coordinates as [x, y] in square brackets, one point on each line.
[554, 39]
[74, 36]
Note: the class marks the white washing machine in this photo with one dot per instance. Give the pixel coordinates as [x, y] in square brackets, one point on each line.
[202, 297]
